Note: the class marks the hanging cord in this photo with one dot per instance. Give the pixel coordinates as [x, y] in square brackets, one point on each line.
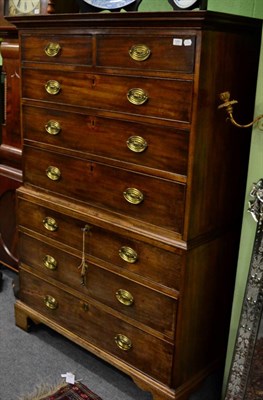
[84, 265]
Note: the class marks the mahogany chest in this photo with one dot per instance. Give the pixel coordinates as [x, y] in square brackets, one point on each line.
[133, 186]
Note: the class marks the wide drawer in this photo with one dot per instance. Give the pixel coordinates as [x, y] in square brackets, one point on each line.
[147, 52]
[153, 263]
[162, 148]
[156, 201]
[139, 349]
[128, 297]
[152, 97]
[73, 49]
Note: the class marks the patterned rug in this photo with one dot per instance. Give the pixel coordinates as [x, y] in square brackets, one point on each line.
[78, 391]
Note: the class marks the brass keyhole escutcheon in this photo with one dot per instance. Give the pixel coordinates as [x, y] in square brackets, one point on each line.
[137, 144]
[133, 196]
[53, 127]
[123, 342]
[50, 262]
[50, 224]
[137, 96]
[124, 297]
[52, 49]
[53, 173]
[52, 87]
[139, 52]
[128, 254]
[51, 302]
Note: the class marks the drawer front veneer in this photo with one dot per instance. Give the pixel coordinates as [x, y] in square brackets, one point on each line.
[151, 97]
[158, 147]
[140, 258]
[156, 201]
[148, 53]
[143, 351]
[129, 298]
[57, 49]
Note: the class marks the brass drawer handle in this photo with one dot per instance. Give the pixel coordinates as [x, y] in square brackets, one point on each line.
[137, 144]
[124, 297]
[52, 49]
[53, 127]
[53, 173]
[51, 302]
[52, 87]
[50, 262]
[133, 195]
[123, 342]
[128, 254]
[137, 96]
[139, 52]
[50, 224]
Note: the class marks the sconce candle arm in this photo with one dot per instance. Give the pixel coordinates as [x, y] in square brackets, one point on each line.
[228, 105]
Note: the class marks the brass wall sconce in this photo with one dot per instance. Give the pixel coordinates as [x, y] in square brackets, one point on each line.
[228, 105]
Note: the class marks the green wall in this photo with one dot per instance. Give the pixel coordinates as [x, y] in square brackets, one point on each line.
[155, 5]
[240, 7]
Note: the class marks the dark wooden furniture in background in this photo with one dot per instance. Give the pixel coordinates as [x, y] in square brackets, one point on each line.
[132, 200]
[10, 141]
[10, 137]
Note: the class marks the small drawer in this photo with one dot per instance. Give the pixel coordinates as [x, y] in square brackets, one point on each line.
[156, 201]
[136, 256]
[108, 333]
[147, 52]
[159, 147]
[57, 49]
[146, 97]
[127, 297]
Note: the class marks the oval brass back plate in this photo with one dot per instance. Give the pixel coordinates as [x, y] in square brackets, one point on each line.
[128, 254]
[139, 52]
[53, 173]
[133, 195]
[124, 297]
[51, 302]
[137, 144]
[52, 87]
[53, 127]
[123, 342]
[137, 96]
[52, 49]
[50, 262]
[50, 224]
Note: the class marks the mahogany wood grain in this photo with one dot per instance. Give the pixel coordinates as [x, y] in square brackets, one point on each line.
[105, 140]
[89, 321]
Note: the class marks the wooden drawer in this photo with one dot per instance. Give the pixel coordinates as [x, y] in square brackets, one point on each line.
[167, 99]
[138, 257]
[165, 148]
[147, 353]
[147, 52]
[129, 298]
[57, 49]
[156, 201]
